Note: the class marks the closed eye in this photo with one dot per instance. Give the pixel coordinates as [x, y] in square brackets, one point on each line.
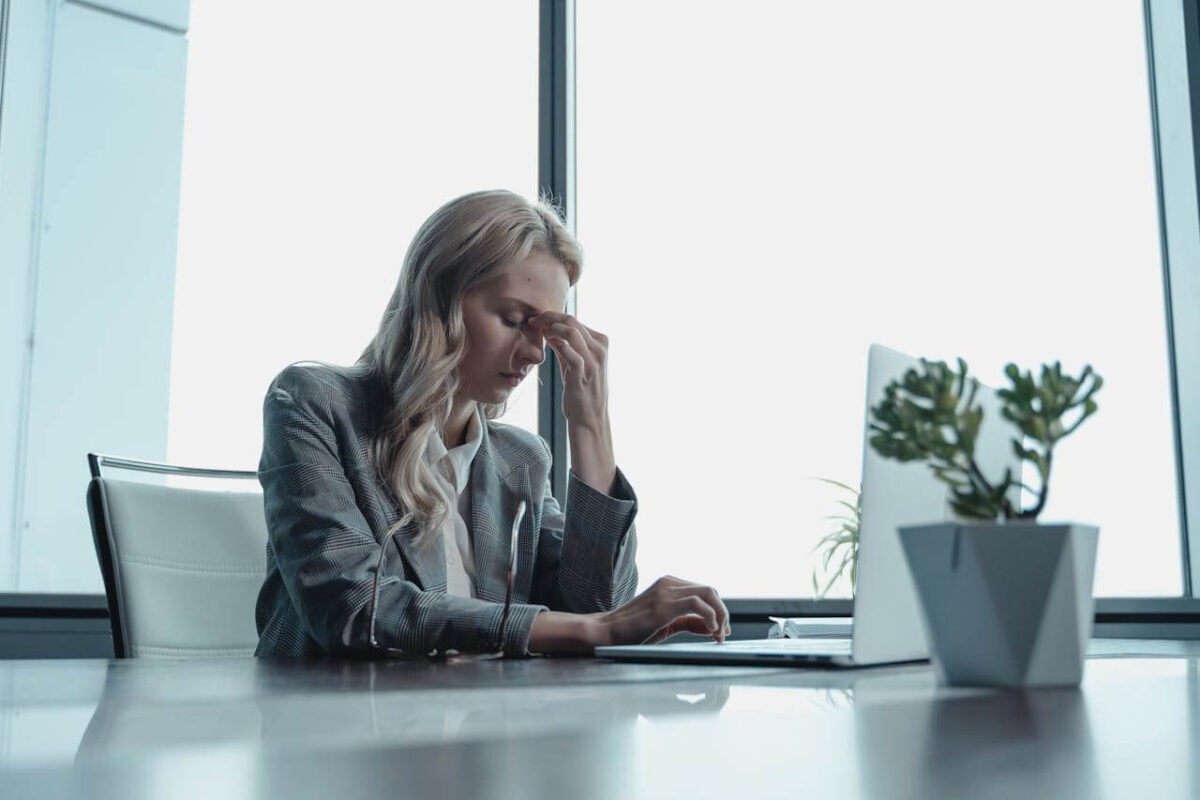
[510, 323]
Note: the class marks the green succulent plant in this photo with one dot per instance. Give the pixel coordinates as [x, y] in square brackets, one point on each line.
[931, 414]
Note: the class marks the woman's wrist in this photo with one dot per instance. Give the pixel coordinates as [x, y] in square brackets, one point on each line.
[564, 633]
[592, 456]
[598, 428]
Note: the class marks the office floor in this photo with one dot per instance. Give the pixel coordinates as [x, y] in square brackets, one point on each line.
[583, 728]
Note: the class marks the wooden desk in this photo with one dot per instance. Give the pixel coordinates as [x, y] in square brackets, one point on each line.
[576, 729]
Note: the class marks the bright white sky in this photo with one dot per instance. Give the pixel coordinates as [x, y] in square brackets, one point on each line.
[764, 189]
[307, 172]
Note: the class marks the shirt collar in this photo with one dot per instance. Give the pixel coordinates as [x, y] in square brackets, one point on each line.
[459, 457]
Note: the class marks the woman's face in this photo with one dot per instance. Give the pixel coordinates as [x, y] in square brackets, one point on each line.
[501, 347]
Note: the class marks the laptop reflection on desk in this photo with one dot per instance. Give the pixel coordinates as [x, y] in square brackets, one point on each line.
[887, 619]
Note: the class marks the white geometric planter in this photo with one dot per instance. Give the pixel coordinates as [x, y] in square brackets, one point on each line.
[1004, 604]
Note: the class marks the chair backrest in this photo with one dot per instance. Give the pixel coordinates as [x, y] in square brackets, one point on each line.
[182, 567]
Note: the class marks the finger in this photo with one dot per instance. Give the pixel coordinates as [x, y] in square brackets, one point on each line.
[689, 623]
[710, 596]
[552, 322]
[571, 362]
[695, 604]
[598, 337]
[547, 318]
[577, 336]
[713, 599]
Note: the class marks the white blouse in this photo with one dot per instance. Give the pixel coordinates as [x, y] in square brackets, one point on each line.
[453, 470]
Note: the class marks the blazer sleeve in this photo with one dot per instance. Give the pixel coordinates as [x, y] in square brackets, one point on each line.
[326, 553]
[587, 552]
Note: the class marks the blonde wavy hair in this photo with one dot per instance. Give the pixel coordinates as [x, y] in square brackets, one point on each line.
[414, 357]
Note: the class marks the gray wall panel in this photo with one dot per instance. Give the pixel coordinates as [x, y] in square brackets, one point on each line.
[22, 133]
[105, 277]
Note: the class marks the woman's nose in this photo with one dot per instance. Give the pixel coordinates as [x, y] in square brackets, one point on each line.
[533, 346]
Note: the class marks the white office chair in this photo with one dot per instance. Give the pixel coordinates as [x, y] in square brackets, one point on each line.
[182, 567]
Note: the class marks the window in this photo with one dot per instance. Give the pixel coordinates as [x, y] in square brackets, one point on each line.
[306, 174]
[762, 190]
[765, 189]
[315, 140]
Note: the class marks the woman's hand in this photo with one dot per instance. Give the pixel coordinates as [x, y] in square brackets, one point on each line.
[583, 358]
[668, 607]
[582, 355]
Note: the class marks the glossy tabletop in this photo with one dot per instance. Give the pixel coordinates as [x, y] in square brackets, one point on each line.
[578, 728]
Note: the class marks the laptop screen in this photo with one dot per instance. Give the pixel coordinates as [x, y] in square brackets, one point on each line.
[887, 617]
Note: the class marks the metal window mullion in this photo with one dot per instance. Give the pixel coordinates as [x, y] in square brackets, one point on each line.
[1183, 312]
[1173, 53]
[556, 179]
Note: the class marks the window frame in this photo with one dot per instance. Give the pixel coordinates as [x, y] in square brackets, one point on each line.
[1175, 113]
[1175, 117]
[556, 181]
[1172, 29]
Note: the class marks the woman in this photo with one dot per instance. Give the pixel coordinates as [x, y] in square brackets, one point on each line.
[391, 494]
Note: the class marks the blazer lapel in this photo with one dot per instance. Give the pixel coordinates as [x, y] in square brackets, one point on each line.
[495, 494]
[428, 562]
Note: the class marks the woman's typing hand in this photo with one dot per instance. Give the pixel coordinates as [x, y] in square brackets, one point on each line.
[669, 606]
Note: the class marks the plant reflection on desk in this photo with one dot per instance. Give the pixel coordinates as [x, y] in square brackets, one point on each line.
[921, 746]
[834, 698]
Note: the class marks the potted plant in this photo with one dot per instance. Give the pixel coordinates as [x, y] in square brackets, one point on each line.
[840, 546]
[1006, 601]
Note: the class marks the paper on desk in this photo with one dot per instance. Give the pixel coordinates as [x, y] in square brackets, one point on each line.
[809, 627]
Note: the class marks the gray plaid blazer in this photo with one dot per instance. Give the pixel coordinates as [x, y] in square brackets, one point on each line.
[327, 516]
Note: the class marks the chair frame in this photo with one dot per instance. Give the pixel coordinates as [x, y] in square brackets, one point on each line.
[102, 527]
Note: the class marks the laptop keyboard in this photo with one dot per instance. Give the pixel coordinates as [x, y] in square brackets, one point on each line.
[821, 646]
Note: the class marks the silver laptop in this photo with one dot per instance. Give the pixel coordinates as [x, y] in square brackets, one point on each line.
[887, 626]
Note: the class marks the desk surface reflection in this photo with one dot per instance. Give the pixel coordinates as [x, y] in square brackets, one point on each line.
[591, 729]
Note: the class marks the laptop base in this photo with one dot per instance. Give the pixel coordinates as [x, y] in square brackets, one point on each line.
[822, 653]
